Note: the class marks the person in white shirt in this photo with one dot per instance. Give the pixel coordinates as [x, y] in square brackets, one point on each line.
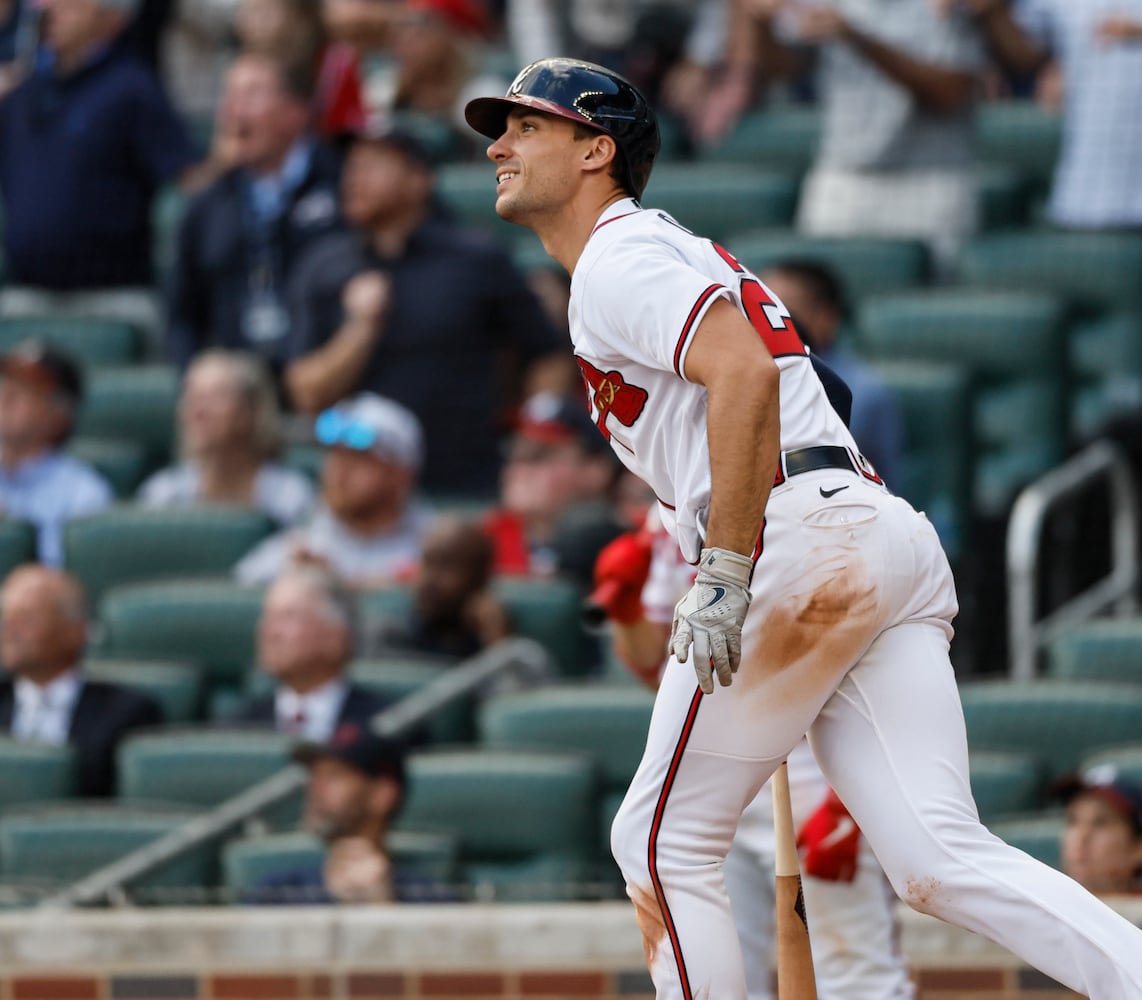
[305, 642]
[230, 431]
[47, 698]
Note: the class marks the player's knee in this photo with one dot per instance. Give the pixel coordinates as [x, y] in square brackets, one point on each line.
[626, 836]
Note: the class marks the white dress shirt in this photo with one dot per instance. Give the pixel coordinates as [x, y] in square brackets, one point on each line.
[43, 711]
[311, 716]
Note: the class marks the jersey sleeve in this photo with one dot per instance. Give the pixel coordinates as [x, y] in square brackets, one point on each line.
[641, 297]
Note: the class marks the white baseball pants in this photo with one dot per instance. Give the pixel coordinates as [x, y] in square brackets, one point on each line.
[846, 639]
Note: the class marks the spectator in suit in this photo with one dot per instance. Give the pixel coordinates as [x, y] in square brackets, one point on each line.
[47, 699]
[242, 234]
[813, 294]
[230, 430]
[356, 787]
[305, 641]
[86, 139]
[369, 525]
[40, 392]
[1102, 838]
[414, 307]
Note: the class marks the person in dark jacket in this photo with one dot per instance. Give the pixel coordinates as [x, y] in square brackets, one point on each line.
[47, 698]
[242, 233]
[305, 643]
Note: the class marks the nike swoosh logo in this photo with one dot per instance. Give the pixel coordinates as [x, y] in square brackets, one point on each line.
[719, 593]
[844, 828]
[832, 493]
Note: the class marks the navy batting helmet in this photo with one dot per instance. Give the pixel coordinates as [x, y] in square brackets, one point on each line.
[580, 92]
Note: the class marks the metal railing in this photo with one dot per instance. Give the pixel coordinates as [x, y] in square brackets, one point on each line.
[521, 661]
[1027, 631]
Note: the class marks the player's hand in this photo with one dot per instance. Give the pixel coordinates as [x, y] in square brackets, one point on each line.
[365, 297]
[710, 617]
[829, 842]
[621, 569]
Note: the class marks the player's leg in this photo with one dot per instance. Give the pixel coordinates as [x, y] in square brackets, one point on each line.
[892, 742]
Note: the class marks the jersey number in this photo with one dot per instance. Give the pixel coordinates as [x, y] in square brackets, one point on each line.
[769, 317]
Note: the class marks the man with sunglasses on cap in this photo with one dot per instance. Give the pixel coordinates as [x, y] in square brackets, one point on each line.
[369, 525]
[40, 392]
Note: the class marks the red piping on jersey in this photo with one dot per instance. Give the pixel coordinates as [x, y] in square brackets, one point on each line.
[687, 329]
[607, 222]
[652, 849]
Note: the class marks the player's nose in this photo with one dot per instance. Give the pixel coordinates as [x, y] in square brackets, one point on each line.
[498, 150]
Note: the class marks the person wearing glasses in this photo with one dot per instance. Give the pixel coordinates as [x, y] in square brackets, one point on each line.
[369, 525]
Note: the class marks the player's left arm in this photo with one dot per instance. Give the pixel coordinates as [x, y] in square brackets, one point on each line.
[743, 427]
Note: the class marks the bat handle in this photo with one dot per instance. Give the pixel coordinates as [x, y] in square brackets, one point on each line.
[785, 860]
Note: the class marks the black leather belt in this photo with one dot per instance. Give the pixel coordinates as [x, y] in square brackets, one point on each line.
[825, 456]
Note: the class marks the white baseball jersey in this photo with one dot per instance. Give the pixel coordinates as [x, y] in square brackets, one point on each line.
[632, 351]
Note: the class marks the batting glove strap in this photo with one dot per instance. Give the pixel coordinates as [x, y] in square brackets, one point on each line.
[710, 617]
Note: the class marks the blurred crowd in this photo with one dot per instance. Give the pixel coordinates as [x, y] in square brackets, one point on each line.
[321, 292]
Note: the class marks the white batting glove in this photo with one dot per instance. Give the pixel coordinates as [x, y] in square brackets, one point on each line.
[710, 617]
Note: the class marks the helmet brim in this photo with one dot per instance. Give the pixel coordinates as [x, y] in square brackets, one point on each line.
[489, 115]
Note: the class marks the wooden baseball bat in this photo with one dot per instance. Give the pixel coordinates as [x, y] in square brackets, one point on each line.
[795, 978]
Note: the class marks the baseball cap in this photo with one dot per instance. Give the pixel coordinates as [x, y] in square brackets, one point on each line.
[372, 755]
[1108, 782]
[371, 423]
[36, 363]
[553, 419]
[468, 16]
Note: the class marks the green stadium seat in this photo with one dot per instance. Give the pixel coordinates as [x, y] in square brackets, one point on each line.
[34, 772]
[1126, 759]
[865, 265]
[469, 189]
[782, 137]
[396, 676]
[1106, 358]
[132, 403]
[203, 767]
[1106, 649]
[1019, 134]
[212, 623]
[132, 544]
[1093, 271]
[548, 611]
[122, 463]
[608, 723]
[935, 408]
[246, 863]
[1005, 782]
[176, 687]
[1005, 196]
[1014, 344]
[716, 200]
[1038, 836]
[56, 844]
[88, 340]
[17, 544]
[1058, 721]
[526, 820]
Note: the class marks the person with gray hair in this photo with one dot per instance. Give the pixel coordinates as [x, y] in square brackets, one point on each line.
[47, 698]
[306, 638]
[369, 525]
[230, 430]
[86, 140]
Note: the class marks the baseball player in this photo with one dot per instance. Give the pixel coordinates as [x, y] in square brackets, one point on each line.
[850, 906]
[825, 601]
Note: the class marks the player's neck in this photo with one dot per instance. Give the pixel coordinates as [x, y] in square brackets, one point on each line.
[564, 236]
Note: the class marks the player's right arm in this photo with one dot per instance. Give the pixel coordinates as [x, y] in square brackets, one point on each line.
[743, 426]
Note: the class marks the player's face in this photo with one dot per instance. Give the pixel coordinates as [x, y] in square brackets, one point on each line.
[1100, 849]
[534, 161]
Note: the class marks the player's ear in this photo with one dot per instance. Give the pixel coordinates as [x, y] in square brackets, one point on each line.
[600, 152]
